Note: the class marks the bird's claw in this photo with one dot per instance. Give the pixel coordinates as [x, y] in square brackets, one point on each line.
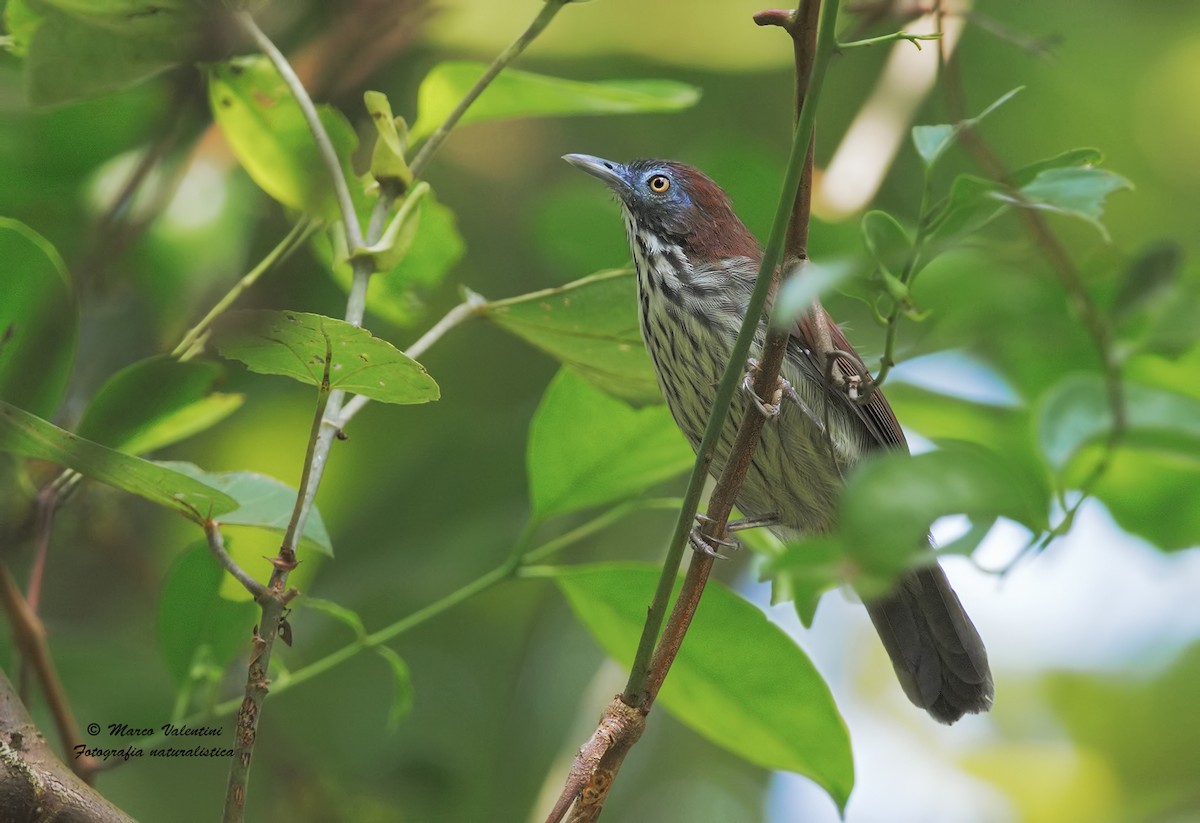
[782, 388]
[704, 544]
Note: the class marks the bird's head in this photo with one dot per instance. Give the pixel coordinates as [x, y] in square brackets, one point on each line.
[676, 203]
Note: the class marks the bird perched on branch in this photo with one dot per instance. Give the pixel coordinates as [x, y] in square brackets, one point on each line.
[696, 264]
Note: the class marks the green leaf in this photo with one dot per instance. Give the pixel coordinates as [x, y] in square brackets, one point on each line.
[345, 616]
[522, 94]
[156, 402]
[271, 139]
[968, 208]
[72, 58]
[1153, 493]
[887, 241]
[295, 344]
[388, 164]
[1076, 412]
[738, 680]
[141, 17]
[192, 615]
[589, 325]
[262, 502]
[891, 501]
[1068, 159]
[396, 294]
[394, 244]
[811, 566]
[587, 448]
[933, 141]
[1076, 192]
[402, 701]
[24, 434]
[21, 21]
[807, 285]
[38, 320]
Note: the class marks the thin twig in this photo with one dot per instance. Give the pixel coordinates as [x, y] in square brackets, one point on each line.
[469, 308]
[514, 49]
[216, 543]
[29, 635]
[354, 235]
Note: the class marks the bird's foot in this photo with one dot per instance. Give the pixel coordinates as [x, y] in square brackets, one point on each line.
[744, 523]
[783, 388]
[857, 385]
[704, 544]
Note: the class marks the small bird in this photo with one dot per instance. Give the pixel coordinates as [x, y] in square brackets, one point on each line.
[696, 263]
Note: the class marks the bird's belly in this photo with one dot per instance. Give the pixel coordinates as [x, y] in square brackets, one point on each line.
[793, 475]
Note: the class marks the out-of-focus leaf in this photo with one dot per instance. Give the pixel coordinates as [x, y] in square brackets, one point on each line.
[933, 141]
[72, 57]
[142, 17]
[1152, 493]
[886, 240]
[590, 325]
[1068, 159]
[156, 402]
[811, 566]
[802, 288]
[967, 209]
[1077, 192]
[1077, 411]
[24, 434]
[1149, 274]
[295, 344]
[738, 680]
[397, 294]
[402, 700]
[267, 132]
[587, 448]
[522, 94]
[38, 320]
[261, 501]
[192, 614]
[20, 22]
[891, 501]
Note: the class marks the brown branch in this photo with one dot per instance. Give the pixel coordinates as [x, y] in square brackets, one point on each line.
[36, 785]
[216, 544]
[601, 758]
[29, 636]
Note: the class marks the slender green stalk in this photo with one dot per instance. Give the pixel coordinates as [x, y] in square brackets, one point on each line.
[888, 359]
[294, 239]
[505, 57]
[894, 37]
[772, 255]
[354, 235]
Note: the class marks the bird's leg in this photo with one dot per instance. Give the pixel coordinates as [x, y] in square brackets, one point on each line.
[857, 386]
[744, 523]
[782, 389]
[703, 544]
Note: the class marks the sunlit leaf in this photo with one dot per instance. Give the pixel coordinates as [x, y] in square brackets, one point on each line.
[192, 614]
[24, 434]
[388, 163]
[267, 132]
[295, 344]
[587, 448]
[590, 325]
[1077, 192]
[262, 502]
[38, 320]
[522, 94]
[156, 402]
[397, 295]
[738, 680]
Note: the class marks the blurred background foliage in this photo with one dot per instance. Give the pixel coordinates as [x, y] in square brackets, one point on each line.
[1095, 640]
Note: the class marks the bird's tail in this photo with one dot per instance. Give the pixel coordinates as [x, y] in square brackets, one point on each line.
[939, 659]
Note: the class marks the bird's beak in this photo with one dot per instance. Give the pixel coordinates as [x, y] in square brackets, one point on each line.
[613, 174]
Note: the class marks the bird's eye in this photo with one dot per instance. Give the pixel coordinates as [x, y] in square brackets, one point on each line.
[659, 183]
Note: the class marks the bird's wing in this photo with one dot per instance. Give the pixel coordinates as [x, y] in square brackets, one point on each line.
[875, 412]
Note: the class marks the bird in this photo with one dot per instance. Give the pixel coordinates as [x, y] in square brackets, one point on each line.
[696, 264]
